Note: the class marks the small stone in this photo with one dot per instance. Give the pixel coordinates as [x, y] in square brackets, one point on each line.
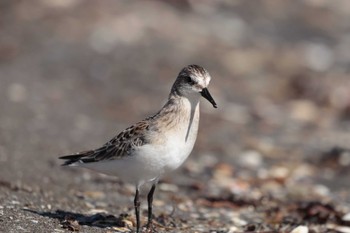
[303, 111]
[168, 187]
[223, 170]
[96, 211]
[302, 171]
[14, 202]
[58, 230]
[89, 205]
[279, 172]
[318, 56]
[233, 229]
[300, 229]
[120, 229]
[321, 190]
[239, 222]
[340, 229]
[251, 159]
[94, 194]
[346, 217]
[158, 203]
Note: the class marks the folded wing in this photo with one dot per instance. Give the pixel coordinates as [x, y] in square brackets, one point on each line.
[118, 147]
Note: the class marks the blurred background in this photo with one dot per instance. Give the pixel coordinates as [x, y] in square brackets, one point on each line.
[73, 73]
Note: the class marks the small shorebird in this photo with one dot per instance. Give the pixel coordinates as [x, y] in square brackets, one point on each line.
[156, 145]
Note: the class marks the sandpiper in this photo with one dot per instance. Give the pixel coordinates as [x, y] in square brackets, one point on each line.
[156, 145]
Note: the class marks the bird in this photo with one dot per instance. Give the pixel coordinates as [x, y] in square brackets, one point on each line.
[157, 145]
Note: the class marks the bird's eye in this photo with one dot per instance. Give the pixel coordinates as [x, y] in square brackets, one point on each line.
[189, 80]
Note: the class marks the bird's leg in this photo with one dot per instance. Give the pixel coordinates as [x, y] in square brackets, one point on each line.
[137, 210]
[150, 200]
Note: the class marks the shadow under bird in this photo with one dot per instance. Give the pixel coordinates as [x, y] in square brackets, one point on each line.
[159, 144]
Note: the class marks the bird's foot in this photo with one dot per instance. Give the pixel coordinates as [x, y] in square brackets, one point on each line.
[150, 228]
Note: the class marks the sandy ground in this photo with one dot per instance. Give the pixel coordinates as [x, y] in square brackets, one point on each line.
[272, 157]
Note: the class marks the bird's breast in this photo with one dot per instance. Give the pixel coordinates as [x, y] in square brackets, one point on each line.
[179, 141]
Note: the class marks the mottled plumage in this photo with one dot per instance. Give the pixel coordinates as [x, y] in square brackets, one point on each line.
[121, 145]
[158, 144]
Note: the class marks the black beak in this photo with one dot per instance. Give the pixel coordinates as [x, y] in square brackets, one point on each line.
[205, 93]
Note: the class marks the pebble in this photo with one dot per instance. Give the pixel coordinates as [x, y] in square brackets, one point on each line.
[346, 217]
[233, 229]
[96, 211]
[303, 111]
[101, 204]
[15, 202]
[168, 187]
[279, 172]
[340, 229]
[319, 57]
[119, 229]
[250, 159]
[158, 203]
[343, 229]
[94, 194]
[302, 171]
[300, 229]
[239, 222]
[58, 230]
[223, 170]
[322, 190]
[89, 205]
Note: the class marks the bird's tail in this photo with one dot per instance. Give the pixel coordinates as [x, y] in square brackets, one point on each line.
[78, 157]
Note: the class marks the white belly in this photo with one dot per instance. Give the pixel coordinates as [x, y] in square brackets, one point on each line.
[151, 160]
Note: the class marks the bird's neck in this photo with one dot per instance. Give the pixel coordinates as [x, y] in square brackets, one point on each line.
[184, 103]
[179, 110]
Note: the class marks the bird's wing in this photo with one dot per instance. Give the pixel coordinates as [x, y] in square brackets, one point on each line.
[118, 147]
